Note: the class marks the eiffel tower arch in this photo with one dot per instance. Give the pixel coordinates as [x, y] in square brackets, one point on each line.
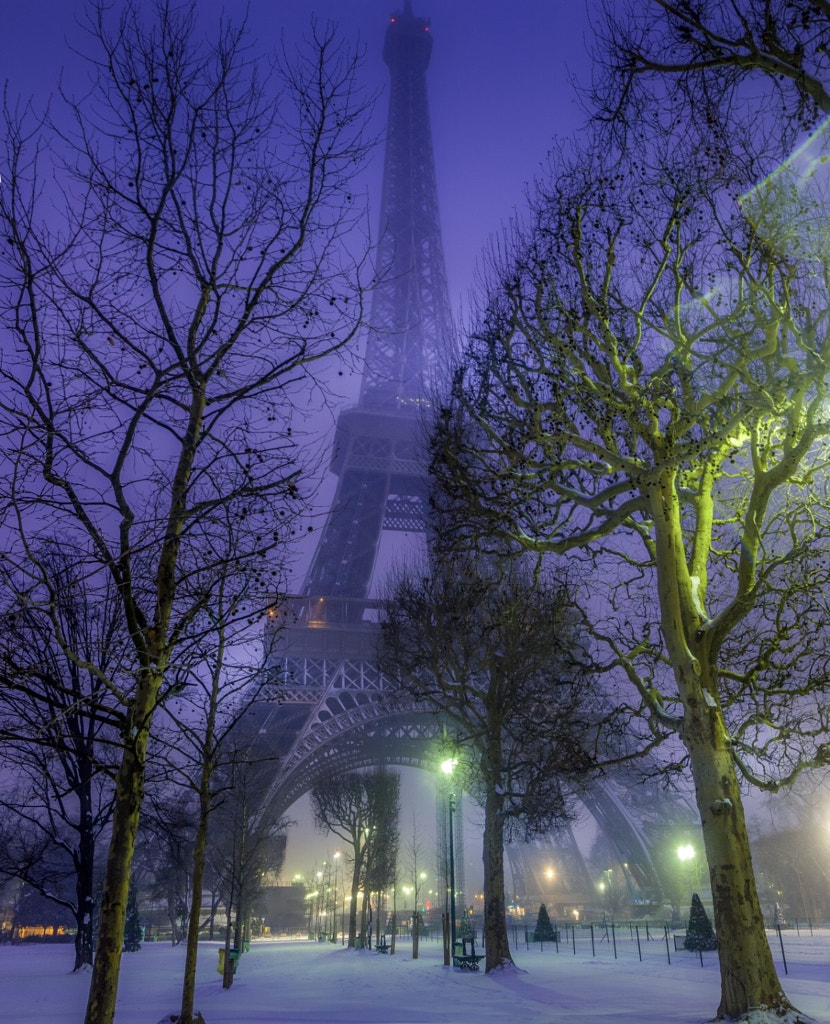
[335, 712]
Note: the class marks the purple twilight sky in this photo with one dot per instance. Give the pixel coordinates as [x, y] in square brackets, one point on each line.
[498, 81]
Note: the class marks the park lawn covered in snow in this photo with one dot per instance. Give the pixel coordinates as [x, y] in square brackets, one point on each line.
[302, 982]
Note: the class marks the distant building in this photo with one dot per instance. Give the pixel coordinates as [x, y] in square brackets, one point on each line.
[282, 909]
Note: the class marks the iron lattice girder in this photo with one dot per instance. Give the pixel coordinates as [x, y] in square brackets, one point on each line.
[324, 663]
[381, 486]
[356, 722]
[381, 481]
[399, 739]
[411, 318]
[529, 863]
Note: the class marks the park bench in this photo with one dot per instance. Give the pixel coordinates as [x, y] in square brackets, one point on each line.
[467, 961]
[382, 946]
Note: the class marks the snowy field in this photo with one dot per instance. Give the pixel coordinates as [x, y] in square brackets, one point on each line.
[301, 982]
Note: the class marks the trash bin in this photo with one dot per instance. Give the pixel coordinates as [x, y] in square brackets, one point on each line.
[233, 953]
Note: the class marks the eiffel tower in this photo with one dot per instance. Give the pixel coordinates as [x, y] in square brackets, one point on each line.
[323, 655]
[334, 713]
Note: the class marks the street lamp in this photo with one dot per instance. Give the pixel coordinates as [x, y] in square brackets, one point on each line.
[550, 874]
[334, 901]
[686, 856]
[447, 768]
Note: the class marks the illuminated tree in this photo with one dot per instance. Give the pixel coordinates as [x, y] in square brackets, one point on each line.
[209, 724]
[646, 391]
[243, 846]
[176, 264]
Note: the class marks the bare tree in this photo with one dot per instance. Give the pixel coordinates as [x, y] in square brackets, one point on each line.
[647, 390]
[362, 811]
[489, 646]
[414, 873]
[211, 718]
[696, 56]
[59, 727]
[162, 866]
[243, 845]
[177, 264]
[788, 858]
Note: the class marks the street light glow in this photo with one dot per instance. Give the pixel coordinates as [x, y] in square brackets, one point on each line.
[686, 852]
[448, 765]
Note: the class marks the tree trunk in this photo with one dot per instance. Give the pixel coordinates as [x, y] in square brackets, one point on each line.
[227, 972]
[192, 952]
[496, 943]
[129, 794]
[84, 873]
[748, 975]
[172, 901]
[353, 902]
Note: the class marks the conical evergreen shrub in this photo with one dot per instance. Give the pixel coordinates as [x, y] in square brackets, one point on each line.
[699, 934]
[544, 931]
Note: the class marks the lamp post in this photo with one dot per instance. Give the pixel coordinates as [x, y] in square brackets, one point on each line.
[336, 859]
[447, 768]
[320, 897]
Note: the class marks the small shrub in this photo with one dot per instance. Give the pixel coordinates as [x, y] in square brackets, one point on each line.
[699, 935]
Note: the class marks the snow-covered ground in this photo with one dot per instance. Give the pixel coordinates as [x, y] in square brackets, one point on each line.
[302, 982]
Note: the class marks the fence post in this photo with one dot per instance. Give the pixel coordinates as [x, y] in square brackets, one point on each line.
[614, 939]
[783, 954]
[639, 951]
[593, 947]
[573, 936]
[666, 934]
